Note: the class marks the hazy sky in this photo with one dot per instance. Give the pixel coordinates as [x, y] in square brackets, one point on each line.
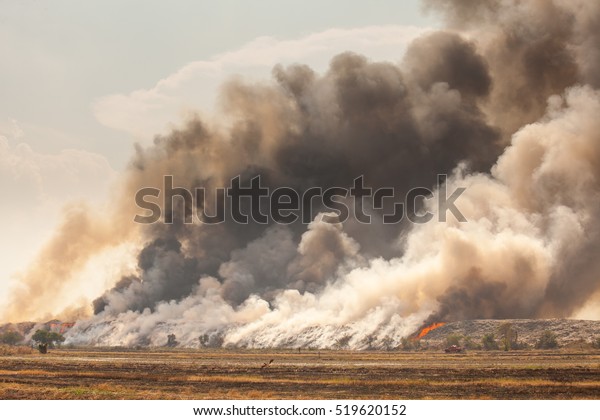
[59, 56]
[80, 82]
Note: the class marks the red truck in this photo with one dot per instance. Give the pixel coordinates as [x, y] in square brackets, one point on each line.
[454, 349]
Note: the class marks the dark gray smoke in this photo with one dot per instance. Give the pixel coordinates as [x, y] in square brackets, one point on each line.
[397, 129]
[534, 49]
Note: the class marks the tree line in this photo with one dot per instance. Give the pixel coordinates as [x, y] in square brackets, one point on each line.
[41, 336]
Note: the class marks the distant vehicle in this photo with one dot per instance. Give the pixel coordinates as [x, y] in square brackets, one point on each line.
[454, 349]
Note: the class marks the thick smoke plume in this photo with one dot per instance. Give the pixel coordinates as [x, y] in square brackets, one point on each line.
[505, 101]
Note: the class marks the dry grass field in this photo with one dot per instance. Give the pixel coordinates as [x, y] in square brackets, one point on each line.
[237, 374]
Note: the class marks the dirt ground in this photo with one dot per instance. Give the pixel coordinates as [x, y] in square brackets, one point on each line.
[238, 374]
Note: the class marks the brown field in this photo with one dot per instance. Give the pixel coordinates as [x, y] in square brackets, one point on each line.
[237, 374]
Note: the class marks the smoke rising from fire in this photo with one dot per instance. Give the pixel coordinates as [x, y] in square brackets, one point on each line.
[505, 100]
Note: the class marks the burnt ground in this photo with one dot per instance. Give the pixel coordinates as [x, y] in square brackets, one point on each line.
[237, 374]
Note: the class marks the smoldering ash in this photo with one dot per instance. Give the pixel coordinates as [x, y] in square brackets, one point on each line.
[505, 101]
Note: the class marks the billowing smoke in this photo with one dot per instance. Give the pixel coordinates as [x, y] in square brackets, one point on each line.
[83, 233]
[504, 101]
[534, 49]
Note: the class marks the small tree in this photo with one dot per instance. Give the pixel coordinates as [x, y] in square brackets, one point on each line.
[469, 344]
[508, 335]
[11, 338]
[47, 337]
[547, 341]
[453, 340]
[489, 342]
[172, 340]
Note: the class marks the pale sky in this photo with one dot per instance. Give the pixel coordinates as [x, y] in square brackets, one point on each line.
[80, 82]
[59, 56]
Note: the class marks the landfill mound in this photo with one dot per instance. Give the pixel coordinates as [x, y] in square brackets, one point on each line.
[568, 331]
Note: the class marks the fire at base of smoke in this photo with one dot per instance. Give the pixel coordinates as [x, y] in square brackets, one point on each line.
[286, 205]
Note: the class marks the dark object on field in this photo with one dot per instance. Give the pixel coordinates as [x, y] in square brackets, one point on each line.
[267, 364]
[454, 349]
[43, 348]
[172, 340]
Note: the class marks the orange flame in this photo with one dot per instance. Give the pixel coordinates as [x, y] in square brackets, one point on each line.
[430, 328]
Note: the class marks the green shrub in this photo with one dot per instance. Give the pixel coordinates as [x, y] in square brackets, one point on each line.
[470, 344]
[489, 342]
[453, 340]
[547, 341]
[11, 338]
